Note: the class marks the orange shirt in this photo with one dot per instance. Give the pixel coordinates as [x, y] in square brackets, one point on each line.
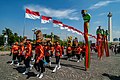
[46, 51]
[58, 50]
[69, 50]
[40, 52]
[78, 50]
[52, 49]
[28, 52]
[21, 50]
[15, 49]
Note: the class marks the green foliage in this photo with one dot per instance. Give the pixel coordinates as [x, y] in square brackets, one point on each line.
[80, 42]
[12, 37]
[7, 48]
[1, 40]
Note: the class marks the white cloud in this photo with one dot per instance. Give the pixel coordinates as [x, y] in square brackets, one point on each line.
[71, 14]
[43, 28]
[96, 22]
[102, 3]
[102, 14]
[116, 34]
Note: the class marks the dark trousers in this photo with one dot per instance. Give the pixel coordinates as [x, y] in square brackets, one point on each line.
[73, 53]
[27, 62]
[83, 54]
[69, 55]
[21, 58]
[15, 56]
[47, 58]
[51, 54]
[57, 59]
[39, 66]
[78, 56]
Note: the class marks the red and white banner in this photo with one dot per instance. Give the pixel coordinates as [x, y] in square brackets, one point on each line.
[45, 19]
[32, 14]
[57, 23]
[65, 26]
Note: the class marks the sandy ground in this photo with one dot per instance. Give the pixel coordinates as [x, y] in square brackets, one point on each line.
[106, 69]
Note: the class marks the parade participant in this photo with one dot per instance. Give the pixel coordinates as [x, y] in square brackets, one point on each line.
[86, 18]
[28, 55]
[69, 52]
[21, 53]
[58, 55]
[78, 53]
[39, 56]
[115, 49]
[15, 52]
[102, 43]
[83, 51]
[52, 49]
[106, 44]
[75, 42]
[47, 53]
[62, 47]
[99, 39]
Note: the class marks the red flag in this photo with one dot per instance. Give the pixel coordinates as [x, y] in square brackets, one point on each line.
[32, 14]
[45, 19]
[57, 23]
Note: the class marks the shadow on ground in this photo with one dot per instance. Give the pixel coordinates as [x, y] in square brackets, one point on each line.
[22, 69]
[73, 66]
[111, 77]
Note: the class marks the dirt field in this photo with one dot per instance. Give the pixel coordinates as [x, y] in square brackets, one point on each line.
[106, 69]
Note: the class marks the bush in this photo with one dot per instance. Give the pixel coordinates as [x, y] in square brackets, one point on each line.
[7, 48]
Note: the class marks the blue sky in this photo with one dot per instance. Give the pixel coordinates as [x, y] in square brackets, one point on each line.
[68, 11]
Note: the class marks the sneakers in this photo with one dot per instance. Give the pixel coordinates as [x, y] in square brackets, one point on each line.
[38, 75]
[41, 76]
[55, 69]
[59, 67]
[27, 70]
[25, 73]
[82, 58]
[49, 63]
[78, 61]
[18, 64]
[31, 66]
[12, 63]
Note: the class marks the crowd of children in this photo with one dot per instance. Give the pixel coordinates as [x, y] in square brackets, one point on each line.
[43, 53]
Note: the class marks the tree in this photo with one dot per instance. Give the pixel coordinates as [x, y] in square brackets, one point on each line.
[1, 40]
[12, 37]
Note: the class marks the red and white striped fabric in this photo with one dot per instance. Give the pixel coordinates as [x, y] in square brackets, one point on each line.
[69, 28]
[65, 26]
[57, 23]
[45, 19]
[62, 27]
[32, 14]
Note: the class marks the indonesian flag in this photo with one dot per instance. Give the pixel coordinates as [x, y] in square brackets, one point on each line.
[32, 14]
[73, 30]
[57, 23]
[62, 27]
[65, 26]
[78, 32]
[45, 19]
[69, 28]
